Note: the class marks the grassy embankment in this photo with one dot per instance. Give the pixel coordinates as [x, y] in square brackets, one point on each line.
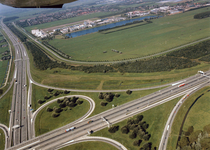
[155, 117]
[200, 108]
[90, 146]
[40, 92]
[3, 64]
[2, 139]
[137, 41]
[5, 105]
[45, 122]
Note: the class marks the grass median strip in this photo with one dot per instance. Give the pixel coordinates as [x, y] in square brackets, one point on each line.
[2, 140]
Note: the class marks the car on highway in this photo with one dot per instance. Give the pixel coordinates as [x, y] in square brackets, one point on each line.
[70, 129]
[90, 121]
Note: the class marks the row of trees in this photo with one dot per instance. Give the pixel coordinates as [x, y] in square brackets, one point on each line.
[10, 18]
[194, 51]
[202, 15]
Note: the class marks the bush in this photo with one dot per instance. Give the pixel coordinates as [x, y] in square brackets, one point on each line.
[1, 91]
[117, 95]
[128, 92]
[58, 110]
[146, 137]
[79, 102]
[147, 146]
[103, 103]
[124, 130]
[137, 142]
[101, 95]
[59, 101]
[66, 92]
[54, 115]
[62, 105]
[113, 129]
[139, 117]
[50, 90]
[49, 109]
[40, 101]
[132, 135]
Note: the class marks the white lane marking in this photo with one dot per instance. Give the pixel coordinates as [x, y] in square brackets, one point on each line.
[17, 51]
[28, 145]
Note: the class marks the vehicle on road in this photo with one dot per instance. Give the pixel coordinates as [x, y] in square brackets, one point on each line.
[90, 132]
[90, 121]
[70, 129]
[181, 85]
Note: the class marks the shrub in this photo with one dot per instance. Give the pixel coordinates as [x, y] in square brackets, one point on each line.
[137, 142]
[132, 135]
[117, 95]
[124, 130]
[128, 92]
[49, 109]
[62, 105]
[103, 103]
[113, 129]
[54, 115]
[146, 137]
[79, 102]
[58, 110]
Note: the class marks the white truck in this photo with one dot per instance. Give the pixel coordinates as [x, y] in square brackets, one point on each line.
[70, 129]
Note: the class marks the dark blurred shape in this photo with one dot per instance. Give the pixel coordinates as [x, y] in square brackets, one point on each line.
[36, 3]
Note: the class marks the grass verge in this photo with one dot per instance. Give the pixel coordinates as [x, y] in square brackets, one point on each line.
[5, 105]
[156, 118]
[2, 140]
[90, 146]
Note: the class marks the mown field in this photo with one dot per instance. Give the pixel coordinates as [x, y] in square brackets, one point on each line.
[155, 117]
[137, 41]
[198, 116]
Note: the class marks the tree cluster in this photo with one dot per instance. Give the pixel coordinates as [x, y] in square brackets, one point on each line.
[63, 103]
[193, 52]
[195, 140]
[107, 96]
[113, 129]
[1, 91]
[202, 15]
[137, 129]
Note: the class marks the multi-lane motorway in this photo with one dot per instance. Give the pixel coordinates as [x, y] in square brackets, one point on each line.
[21, 137]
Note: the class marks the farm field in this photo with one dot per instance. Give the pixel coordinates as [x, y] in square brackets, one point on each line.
[137, 41]
[155, 117]
[193, 117]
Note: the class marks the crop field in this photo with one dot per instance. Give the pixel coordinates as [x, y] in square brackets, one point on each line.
[137, 41]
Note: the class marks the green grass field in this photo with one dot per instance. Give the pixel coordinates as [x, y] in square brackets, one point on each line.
[90, 146]
[200, 108]
[2, 139]
[45, 122]
[193, 117]
[163, 34]
[5, 106]
[40, 92]
[155, 117]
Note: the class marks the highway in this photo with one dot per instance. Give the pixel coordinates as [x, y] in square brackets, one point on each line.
[57, 137]
[169, 123]
[18, 115]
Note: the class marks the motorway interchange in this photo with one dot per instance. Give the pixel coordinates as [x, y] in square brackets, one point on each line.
[21, 131]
